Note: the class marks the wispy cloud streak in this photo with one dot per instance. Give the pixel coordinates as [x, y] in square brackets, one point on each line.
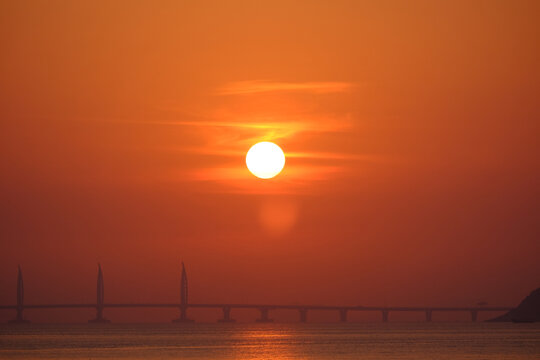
[261, 86]
[324, 125]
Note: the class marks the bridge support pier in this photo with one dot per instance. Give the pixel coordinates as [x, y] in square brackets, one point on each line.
[474, 315]
[264, 316]
[343, 315]
[303, 315]
[226, 316]
[19, 319]
[183, 316]
[428, 315]
[99, 317]
[385, 315]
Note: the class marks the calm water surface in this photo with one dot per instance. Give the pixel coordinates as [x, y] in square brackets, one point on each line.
[272, 341]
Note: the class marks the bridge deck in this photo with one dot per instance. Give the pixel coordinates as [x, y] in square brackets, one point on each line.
[264, 306]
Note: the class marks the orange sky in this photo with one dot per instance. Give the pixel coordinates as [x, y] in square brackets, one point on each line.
[410, 129]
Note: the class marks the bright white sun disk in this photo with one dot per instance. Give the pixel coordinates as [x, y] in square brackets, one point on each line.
[265, 160]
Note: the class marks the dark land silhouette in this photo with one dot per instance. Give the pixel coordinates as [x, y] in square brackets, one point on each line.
[527, 311]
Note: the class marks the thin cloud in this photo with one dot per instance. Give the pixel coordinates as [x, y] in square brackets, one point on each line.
[322, 125]
[261, 86]
[242, 131]
[231, 153]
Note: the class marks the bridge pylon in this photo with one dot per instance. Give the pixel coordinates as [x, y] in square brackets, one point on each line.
[19, 319]
[100, 304]
[183, 298]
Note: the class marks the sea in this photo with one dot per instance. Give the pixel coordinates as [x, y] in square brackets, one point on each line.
[271, 341]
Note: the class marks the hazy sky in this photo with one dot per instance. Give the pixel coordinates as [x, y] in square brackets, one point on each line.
[411, 131]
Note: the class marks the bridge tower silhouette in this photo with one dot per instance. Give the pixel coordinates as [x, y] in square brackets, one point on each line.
[20, 299]
[183, 298]
[100, 299]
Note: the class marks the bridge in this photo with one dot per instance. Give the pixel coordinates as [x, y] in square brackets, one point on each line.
[263, 308]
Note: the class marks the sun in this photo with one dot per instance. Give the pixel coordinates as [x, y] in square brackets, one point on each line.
[265, 160]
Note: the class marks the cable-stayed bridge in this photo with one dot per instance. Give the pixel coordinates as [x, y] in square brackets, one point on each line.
[263, 308]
